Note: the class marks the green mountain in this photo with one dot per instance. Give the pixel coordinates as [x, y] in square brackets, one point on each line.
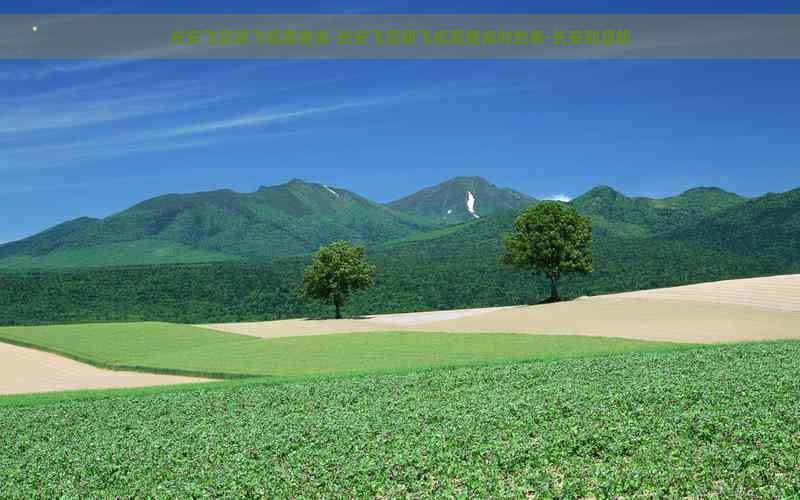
[297, 217]
[293, 218]
[451, 267]
[765, 227]
[459, 200]
[616, 214]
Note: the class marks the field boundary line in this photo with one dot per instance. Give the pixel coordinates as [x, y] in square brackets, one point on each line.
[130, 368]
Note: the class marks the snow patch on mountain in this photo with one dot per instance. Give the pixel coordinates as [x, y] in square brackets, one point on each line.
[471, 204]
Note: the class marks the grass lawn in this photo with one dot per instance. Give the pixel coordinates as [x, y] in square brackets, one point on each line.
[116, 345]
[172, 348]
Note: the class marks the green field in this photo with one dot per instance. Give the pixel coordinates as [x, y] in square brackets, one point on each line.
[184, 349]
[704, 422]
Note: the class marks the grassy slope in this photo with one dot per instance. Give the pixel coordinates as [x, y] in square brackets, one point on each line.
[167, 348]
[121, 345]
[719, 421]
[368, 352]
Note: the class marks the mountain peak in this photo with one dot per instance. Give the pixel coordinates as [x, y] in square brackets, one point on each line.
[469, 178]
[707, 190]
[460, 199]
[294, 182]
[703, 198]
[602, 192]
[605, 190]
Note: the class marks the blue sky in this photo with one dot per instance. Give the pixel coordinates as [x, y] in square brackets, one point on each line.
[93, 137]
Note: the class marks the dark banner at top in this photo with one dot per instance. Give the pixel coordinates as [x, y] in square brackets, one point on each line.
[389, 36]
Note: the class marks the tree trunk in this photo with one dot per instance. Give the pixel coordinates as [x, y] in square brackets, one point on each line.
[338, 309]
[554, 289]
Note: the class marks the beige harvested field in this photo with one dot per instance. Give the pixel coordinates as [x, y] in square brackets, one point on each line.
[381, 322]
[24, 370]
[777, 292]
[727, 311]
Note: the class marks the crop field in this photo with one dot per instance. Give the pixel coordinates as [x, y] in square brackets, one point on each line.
[188, 350]
[706, 421]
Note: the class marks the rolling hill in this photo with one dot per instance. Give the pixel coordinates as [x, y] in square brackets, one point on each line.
[765, 227]
[616, 214]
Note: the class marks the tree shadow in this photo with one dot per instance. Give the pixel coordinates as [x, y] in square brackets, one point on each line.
[552, 301]
[327, 318]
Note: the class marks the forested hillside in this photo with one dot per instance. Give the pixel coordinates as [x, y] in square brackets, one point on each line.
[452, 267]
[298, 217]
[614, 213]
[290, 219]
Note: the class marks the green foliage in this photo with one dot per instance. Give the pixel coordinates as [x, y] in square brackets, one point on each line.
[335, 272]
[765, 226]
[712, 422]
[553, 239]
[181, 349]
[450, 268]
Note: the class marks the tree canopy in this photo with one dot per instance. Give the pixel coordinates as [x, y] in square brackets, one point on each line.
[337, 270]
[551, 238]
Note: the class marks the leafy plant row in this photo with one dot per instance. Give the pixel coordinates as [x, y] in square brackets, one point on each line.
[722, 421]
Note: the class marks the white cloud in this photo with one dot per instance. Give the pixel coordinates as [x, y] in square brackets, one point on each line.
[558, 197]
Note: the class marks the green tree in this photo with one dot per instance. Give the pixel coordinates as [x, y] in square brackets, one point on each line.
[337, 270]
[551, 238]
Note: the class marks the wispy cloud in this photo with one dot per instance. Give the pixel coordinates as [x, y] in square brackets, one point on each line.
[64, 186]
[54, 155]
[78, 90]
[68, 113]
[269, 116]
[39, 129]
[39, 71]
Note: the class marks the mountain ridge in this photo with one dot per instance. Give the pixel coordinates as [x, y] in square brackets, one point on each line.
[287, 219]
[454, 267]
[296, 217]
